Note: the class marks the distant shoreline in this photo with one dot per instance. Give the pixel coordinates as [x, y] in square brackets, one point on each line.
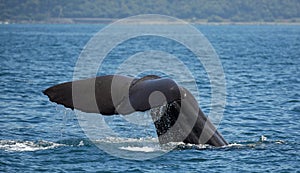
[143, 22]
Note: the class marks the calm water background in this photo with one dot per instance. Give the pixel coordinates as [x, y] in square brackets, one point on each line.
[261, 65]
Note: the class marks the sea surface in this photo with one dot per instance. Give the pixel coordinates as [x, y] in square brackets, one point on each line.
[261, 119]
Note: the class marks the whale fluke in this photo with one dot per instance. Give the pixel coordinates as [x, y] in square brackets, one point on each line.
[175, 112]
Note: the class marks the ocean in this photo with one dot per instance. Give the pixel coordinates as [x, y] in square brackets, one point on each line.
[261, 118]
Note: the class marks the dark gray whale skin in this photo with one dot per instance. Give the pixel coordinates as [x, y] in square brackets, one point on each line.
[175, 112]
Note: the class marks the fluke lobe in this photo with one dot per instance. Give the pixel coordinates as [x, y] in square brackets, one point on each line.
[174, 110]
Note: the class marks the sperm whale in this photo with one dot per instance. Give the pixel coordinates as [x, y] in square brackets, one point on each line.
[174, 110]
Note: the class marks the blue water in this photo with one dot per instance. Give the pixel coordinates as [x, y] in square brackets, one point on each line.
[261, 118]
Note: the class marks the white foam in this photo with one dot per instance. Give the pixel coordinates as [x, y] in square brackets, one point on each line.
[263, 138]
[127, 140]
[139, 149]
[81, 143]
[234, 145]
[19, 146]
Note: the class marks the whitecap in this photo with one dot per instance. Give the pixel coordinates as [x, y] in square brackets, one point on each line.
[81, 143]
[139, 149]
[263, 138]
[20, 146]
[127, 140]
[234, 145]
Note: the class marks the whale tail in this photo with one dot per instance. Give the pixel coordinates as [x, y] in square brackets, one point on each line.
[183, 121]
[61, 94]
[177, 119]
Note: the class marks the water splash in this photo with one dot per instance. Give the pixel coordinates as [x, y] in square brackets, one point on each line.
[21, 146]
[139, 149]
[145, 145]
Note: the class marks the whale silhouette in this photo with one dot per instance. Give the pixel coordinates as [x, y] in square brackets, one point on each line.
[174, 110]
